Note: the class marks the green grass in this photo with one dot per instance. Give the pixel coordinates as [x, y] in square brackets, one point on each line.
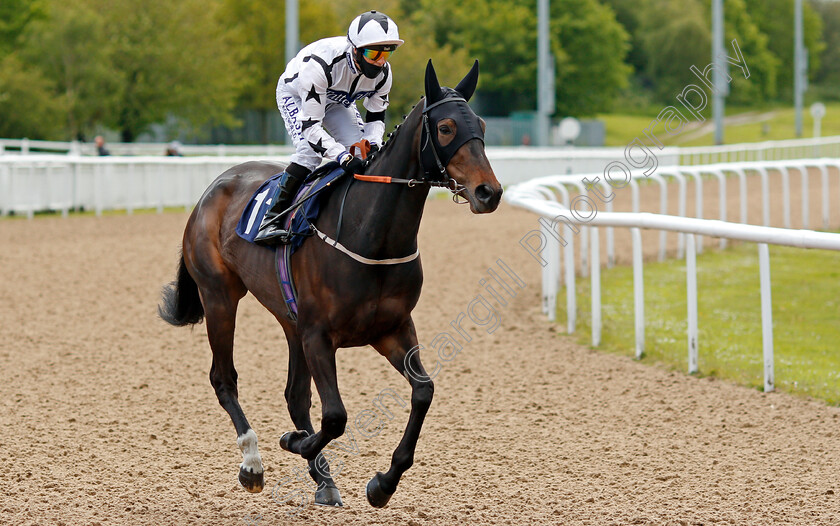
[806, 317]
[623, 128]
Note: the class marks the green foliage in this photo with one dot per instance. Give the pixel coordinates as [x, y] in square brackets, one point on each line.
[70, 49]
[128, 64]
[590, 48]
[15, 15]
[774, 19]
[173, 60]
[676, 35]
[258, 32]
[28, 106]
[587, 43]
[828, 72]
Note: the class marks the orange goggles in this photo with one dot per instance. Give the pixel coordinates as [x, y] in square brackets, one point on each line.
[375, 55]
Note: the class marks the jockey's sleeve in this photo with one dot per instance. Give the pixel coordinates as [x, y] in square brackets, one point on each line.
[376, 104]
[313, 94]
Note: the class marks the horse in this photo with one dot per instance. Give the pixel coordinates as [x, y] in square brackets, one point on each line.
[342, 301]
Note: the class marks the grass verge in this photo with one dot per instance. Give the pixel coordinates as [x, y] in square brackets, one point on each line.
[806, 318]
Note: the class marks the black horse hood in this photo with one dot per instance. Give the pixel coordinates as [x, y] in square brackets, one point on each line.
[436, 158]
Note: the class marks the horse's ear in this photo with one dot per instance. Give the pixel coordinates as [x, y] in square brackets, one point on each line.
[467, 85]
[433, 91]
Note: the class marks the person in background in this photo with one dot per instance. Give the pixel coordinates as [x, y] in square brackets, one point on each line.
[317, 97]
[174, 149]
[100, 145]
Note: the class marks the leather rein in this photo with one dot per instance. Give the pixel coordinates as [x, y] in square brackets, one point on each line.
[426, 144]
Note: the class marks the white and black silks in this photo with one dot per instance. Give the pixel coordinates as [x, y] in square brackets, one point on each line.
[317, 94]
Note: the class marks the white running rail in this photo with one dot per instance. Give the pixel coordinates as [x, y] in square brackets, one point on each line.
[540, 196]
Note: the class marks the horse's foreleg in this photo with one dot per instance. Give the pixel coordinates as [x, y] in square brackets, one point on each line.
[398, 349]
[320, 359]
[299, 401]
[220, 316]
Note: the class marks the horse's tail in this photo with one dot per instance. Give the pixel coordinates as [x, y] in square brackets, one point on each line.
[181, 303]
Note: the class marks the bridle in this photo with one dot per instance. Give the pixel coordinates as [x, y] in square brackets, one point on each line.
[434, 169]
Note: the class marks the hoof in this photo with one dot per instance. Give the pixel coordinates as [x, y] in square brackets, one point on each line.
[252, 482]
[291, 441]
[376, 496]
[328, 496]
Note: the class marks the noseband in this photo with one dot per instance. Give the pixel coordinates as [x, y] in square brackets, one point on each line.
[434, 157]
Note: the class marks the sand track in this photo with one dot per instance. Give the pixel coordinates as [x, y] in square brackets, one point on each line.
[108, 416]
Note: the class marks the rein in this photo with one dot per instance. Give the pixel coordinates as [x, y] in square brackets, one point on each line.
[427, 150]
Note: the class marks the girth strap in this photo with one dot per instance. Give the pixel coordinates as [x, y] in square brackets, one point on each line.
[361, 259]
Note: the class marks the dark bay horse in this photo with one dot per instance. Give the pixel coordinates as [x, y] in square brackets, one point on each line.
[341, 302]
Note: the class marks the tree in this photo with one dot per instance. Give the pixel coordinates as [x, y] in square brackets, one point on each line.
[503, 35]
[775, 19]
[258, 33]
[70, 48]
[15, 15]
[172, 59]
[28, 105]
[590, 47]
[676, 34]
[828, 73]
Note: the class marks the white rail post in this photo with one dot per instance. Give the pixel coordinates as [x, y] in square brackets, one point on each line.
[610, 230]
[584, 237]
[698, 202]
[549, 275]
[681, 211]
[129, 205]
[663, 209]
[571, 299]
[806, 201]
[825, 200]
[766, 316]
[595, 281]
[638, 291]
[97, 188]
[721, 200]
[765, 195]
[742, 191]
[691, 300]
[785, 195]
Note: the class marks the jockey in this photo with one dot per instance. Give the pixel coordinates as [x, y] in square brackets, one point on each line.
[317, 97]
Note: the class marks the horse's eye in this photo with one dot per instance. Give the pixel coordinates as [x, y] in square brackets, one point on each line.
[444, 129]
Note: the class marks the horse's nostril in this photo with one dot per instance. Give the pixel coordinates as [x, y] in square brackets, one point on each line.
[483, 192]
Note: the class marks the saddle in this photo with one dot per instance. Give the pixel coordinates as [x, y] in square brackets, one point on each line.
[297, 222]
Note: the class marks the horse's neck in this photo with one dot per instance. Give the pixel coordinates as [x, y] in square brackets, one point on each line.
[388, 215]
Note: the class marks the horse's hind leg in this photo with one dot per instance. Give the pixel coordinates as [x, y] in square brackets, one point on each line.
[400, 348]
[320, 360]
[299, 401]
[220, 302]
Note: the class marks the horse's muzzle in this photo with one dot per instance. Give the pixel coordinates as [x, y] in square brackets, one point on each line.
[486, 198]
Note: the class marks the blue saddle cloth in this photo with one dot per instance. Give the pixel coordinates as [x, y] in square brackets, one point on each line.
[302, 217]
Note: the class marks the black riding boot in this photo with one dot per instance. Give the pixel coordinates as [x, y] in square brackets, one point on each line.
[271, 230]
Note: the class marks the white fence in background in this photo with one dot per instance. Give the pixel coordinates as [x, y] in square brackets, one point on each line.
[32, 183]
[742, 152]
[541, 196]
[762, 151]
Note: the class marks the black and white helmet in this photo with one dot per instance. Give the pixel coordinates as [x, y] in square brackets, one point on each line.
[373, 29]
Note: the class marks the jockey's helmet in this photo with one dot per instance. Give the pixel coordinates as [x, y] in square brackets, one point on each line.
[374, 36]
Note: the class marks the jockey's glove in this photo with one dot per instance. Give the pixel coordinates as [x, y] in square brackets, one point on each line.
[351, 163]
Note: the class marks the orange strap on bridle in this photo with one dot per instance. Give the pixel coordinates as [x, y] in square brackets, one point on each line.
[363, 146]
[373, 178]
